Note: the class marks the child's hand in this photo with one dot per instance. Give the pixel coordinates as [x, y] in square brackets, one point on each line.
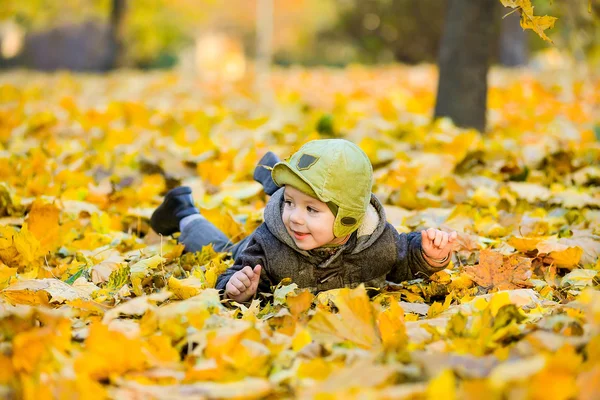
[437, 244]
[243, 284]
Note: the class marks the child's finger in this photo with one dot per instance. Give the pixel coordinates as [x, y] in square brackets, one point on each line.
[444, 241]
[257, 271]
[247, 270]
[232, 290]
[452, 237]
[244, 279]
[238, 285]
[425, 241]
[431, 233]
[439, 235]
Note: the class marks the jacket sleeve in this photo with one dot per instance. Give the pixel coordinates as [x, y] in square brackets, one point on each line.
[410, 263]
[252, 256]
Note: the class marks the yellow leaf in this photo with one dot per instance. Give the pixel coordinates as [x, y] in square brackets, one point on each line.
[564, 255]
[317, 369]
[42, 291]
[530, 21]
[141, 269]
[185, 288]
[391, 326]
[241, 348]
[7, 373]
[301, 339]
[355, 321]
[43, 222]
[225, 222]
[387, 109]
[38, 349]
[214, 269]
[110, 352]
[485, 196]
[7, 274]
[525, 244]
[442, 387]
[299, 303]
[437, 308]
[557, 379]
[18, 249]
[538, 24]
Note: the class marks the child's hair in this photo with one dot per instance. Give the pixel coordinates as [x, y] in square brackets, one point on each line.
[335, 171]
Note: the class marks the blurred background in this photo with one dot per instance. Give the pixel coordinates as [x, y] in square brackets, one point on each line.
[224, 37]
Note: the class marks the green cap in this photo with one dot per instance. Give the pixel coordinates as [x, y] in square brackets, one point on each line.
[334, 171]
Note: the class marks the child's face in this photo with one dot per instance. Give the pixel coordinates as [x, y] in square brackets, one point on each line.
[309, 221]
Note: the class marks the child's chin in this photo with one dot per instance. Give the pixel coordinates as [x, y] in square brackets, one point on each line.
[305, 246]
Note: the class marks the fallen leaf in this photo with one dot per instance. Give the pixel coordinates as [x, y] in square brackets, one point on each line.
[355, 321]
[42, 291]
[499, 272]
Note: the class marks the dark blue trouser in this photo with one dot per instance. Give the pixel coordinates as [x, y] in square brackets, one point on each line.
[201, 232]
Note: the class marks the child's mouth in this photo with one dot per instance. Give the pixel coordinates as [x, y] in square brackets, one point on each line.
[299, 235]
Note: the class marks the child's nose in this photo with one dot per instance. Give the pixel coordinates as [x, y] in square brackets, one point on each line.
[296, 217]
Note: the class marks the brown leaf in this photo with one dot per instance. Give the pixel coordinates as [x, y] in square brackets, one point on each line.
[496, 271]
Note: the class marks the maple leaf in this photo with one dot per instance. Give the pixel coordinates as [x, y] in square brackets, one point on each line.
[498, 272]
[528, 20]
[355, 321]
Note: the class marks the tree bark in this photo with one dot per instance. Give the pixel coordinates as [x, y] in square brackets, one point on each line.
[513, 41]
[464, 61]
[115, 32]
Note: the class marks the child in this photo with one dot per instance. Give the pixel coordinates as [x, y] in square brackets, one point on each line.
[323, 228]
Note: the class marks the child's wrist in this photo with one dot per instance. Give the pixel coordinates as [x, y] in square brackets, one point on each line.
[436, 260]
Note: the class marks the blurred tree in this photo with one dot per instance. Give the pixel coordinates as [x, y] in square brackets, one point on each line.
[133, 36]
[115, 32]
[464, 57]
[464, 62]
[264, 51]
[513, 51]
[372, 31]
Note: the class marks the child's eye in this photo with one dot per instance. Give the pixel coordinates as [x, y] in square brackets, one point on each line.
[287, 203]
[312, 210]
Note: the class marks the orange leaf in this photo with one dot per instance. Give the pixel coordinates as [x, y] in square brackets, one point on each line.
[498, 272]
[566, 256]
[524, 244]
[43, 222]
[299, 303]
[111, 352]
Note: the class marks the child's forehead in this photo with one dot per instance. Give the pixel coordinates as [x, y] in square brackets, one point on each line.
[291, 191]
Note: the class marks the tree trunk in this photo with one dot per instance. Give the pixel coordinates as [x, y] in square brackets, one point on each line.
[115, 35]
[264, 51]
[464, 61]
[513, 41]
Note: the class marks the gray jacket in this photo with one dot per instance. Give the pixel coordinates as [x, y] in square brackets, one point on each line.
[376, 252]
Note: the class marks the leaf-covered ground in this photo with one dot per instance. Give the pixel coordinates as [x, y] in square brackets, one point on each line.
[95, 305]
